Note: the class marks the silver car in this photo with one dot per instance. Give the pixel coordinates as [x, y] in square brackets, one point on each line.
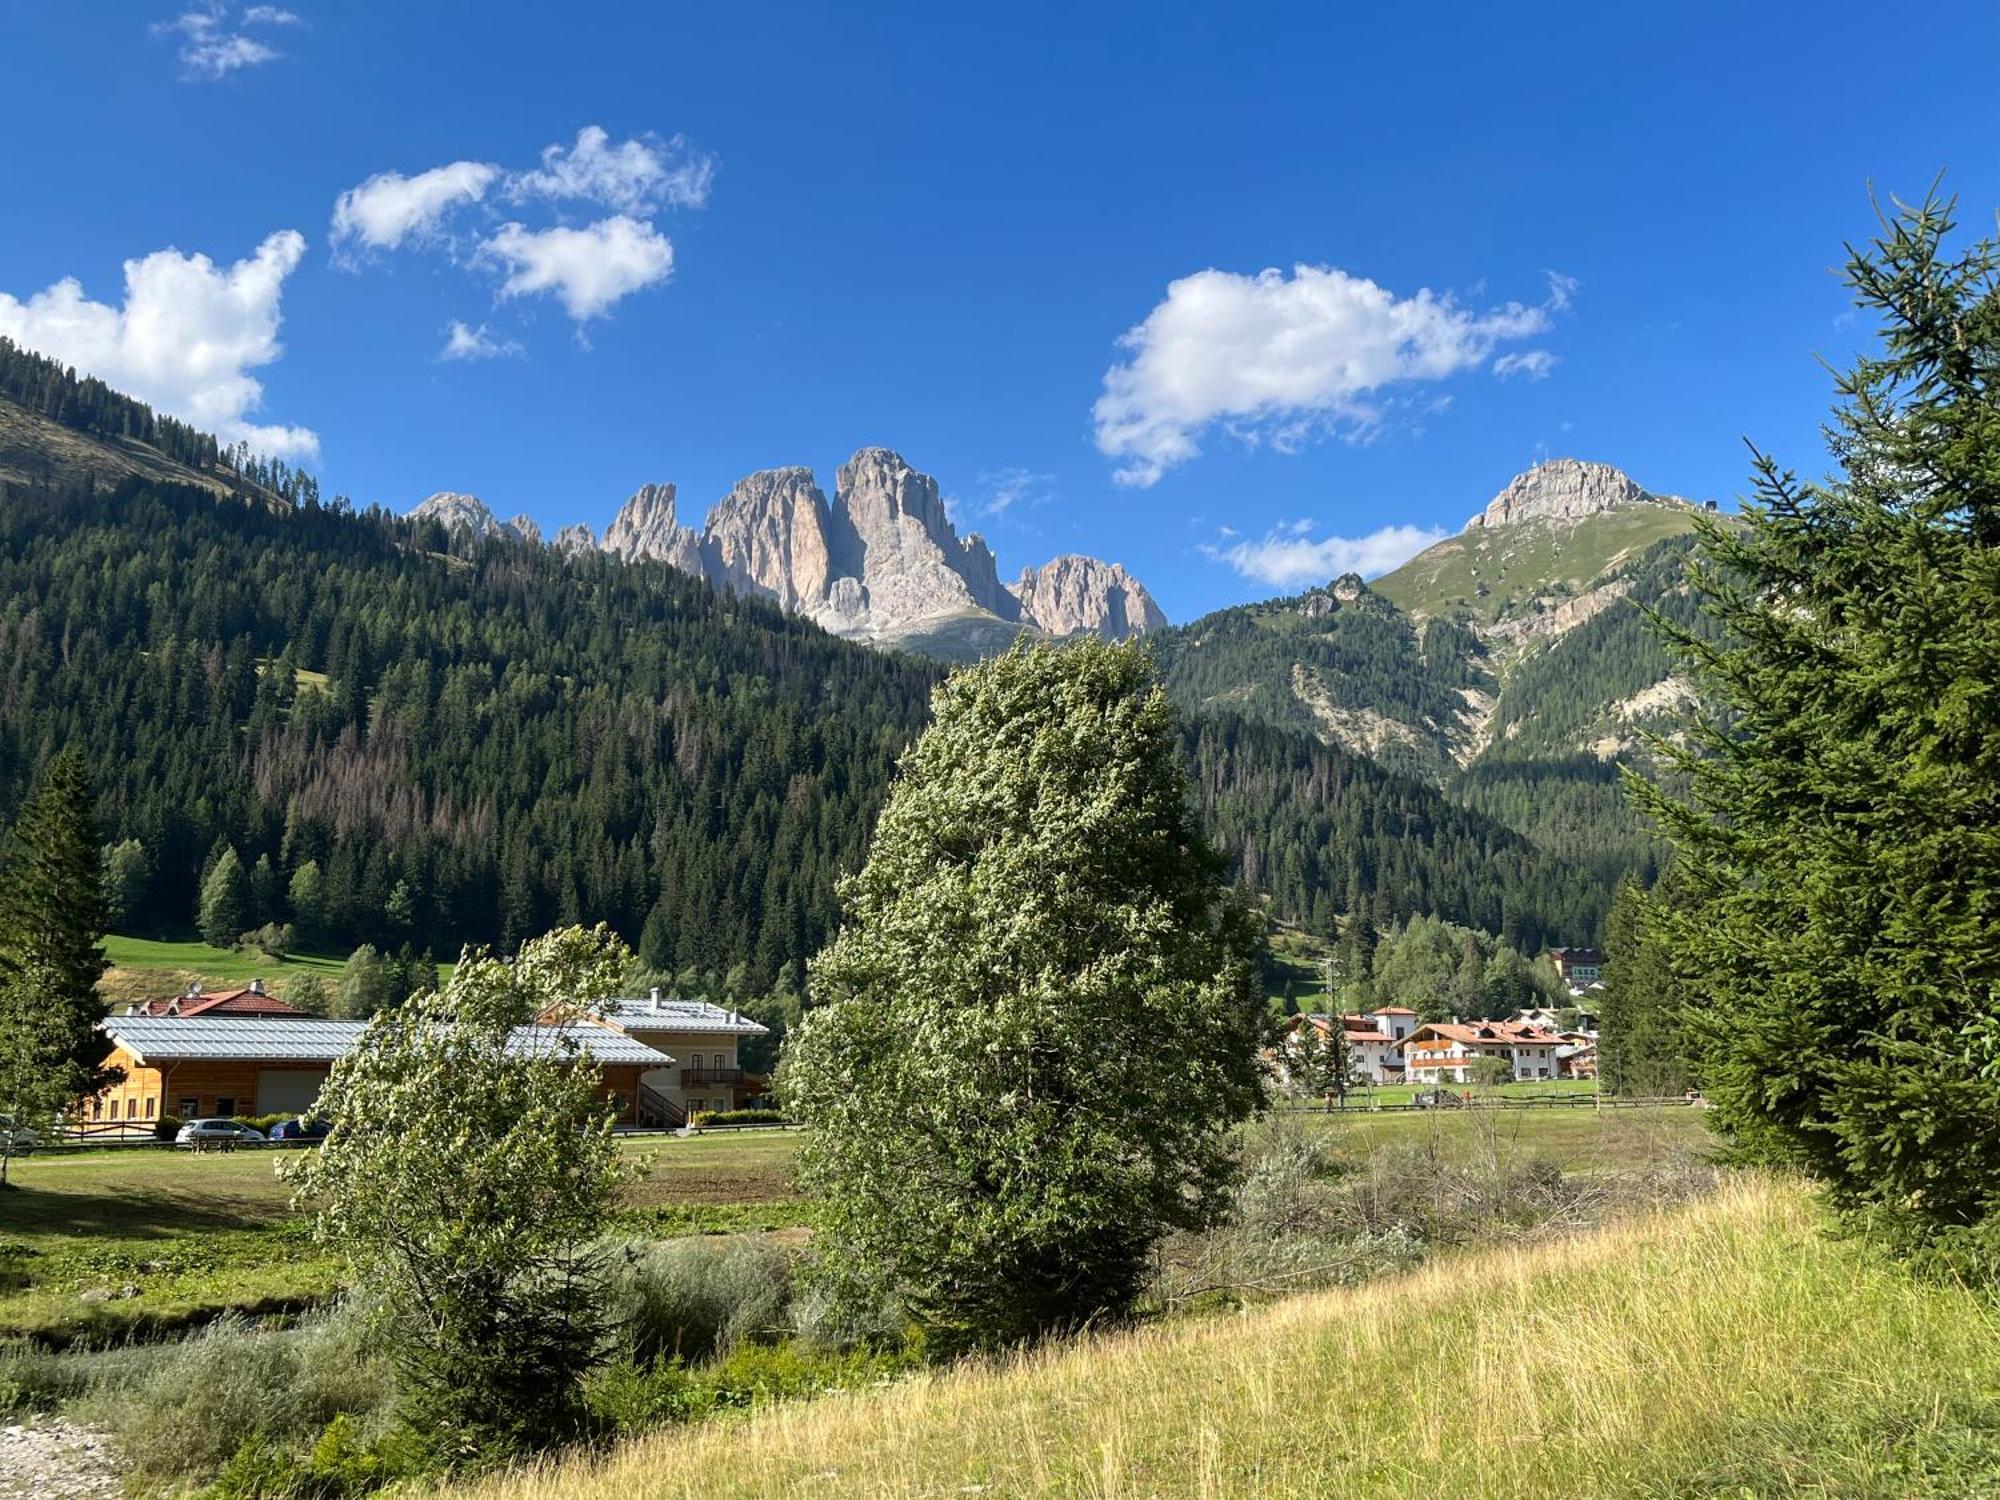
[226, 1134]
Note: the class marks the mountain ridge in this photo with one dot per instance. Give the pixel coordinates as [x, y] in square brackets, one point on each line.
[880, 562]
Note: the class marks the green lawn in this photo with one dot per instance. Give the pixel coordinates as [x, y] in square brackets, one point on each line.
[1403, 1093]
[1577, 1140]
[143, 967]
[192, 1235]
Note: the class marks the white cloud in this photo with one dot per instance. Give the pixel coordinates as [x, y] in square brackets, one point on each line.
[633, 176]
[1002, 492]
[1534, 364]
[464, 342]
[1286, 557]
[184, 340]
[213, 46]
[390, 208]
[587, 269]
[1283, 359]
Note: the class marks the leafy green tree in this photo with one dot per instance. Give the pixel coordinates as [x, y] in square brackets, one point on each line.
[127, 874]
[1039, 1022]
[1490, 1072]
[310, 992]
[263, 892]
[224, 911]
[368, 985]
[306, 894]
[51, 926]
[1840, 836]
[466, 1181]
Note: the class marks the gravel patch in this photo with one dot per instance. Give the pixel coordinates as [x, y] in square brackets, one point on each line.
[50, 1459]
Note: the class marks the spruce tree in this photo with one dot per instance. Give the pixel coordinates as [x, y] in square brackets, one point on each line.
[52, 921]
[1039, 1023]
[1840, 840]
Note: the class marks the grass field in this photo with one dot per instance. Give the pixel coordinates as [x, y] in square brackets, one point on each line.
[1728, 1348]
[142, 968]
[193, 1235]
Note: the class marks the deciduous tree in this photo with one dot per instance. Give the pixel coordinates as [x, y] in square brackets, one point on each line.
[1040, 1018]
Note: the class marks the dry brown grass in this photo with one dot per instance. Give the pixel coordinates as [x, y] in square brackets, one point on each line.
[1727, 1346]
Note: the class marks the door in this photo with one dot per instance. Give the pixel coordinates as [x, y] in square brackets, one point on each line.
[288, 1091]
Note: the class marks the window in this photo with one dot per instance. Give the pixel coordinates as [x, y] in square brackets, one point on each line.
[190, 1108]
[225, 1106]
[719, 1063]
[152, 1108]
[131, 1108]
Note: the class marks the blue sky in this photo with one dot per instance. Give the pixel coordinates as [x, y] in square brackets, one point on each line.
[1234, 295]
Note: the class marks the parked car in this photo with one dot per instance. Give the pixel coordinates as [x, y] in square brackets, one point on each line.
[1438, 1099]
[18, 1140]
[299, 1130]
[226, 1134]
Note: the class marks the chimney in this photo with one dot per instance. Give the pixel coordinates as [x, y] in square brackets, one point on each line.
[656, 997]
[194, 989]
[256, 986]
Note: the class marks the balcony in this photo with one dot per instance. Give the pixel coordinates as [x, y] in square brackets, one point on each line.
[710, 1078]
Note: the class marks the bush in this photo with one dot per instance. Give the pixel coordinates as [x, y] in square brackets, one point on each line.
[167, 1127]
[742, 1117]
[232, 1387]
[629, 1397]
[273, 940]
[688, 1299]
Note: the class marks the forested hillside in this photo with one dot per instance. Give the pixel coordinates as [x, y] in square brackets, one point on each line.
[475, 746]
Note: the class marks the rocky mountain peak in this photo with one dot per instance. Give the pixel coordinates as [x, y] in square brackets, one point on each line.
[890, 529]
[1564, 490]
[1073, 595]
[458, 513]
[769, 536]
[646, 526]
[575, 539]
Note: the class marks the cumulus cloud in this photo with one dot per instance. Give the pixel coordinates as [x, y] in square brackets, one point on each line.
[213, 44]
[1287, 556]
[1530, 364]
[1283, 359]
[586, 269]
[184, 340]
[632, 176]
[463, 341]
[390, 208]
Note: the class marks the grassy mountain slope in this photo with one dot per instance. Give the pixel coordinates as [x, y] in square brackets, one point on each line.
[1725, 1348]
[1487, 573]
[34, 450]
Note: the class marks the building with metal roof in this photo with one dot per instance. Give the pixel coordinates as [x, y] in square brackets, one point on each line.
[212, 1064]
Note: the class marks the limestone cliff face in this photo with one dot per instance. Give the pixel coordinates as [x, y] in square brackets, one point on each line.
[1075, 595]
[647, 527]
[892, 533]
[1565, 490]
[768, 536]
[575, 539]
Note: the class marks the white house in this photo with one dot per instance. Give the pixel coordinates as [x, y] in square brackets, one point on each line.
[1445, 1051]
[707, 1073]
[1372, 1041]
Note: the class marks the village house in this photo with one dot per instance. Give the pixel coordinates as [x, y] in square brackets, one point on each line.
[1584, 1018]
[195, 1001]
[1371, 1041]
[213, 1064]
[707, 1073]
[1445, 1051]
[1580, 968]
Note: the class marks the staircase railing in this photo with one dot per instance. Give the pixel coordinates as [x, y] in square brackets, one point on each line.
[657, 1110]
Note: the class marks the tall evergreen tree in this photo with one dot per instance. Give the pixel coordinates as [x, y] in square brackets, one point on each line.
[1841, 837]
[52, 921]
[1642, 1044]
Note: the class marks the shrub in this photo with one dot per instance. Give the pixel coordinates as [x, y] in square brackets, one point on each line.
[231, 1386]
[688, 1299]
[273, 940]
[741, 1117]
[167, 1127]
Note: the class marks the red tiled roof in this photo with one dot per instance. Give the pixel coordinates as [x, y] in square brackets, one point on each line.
[241, 1002]
[1393, 1010]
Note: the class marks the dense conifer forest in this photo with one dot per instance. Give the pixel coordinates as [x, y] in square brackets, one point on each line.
[460, 742]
